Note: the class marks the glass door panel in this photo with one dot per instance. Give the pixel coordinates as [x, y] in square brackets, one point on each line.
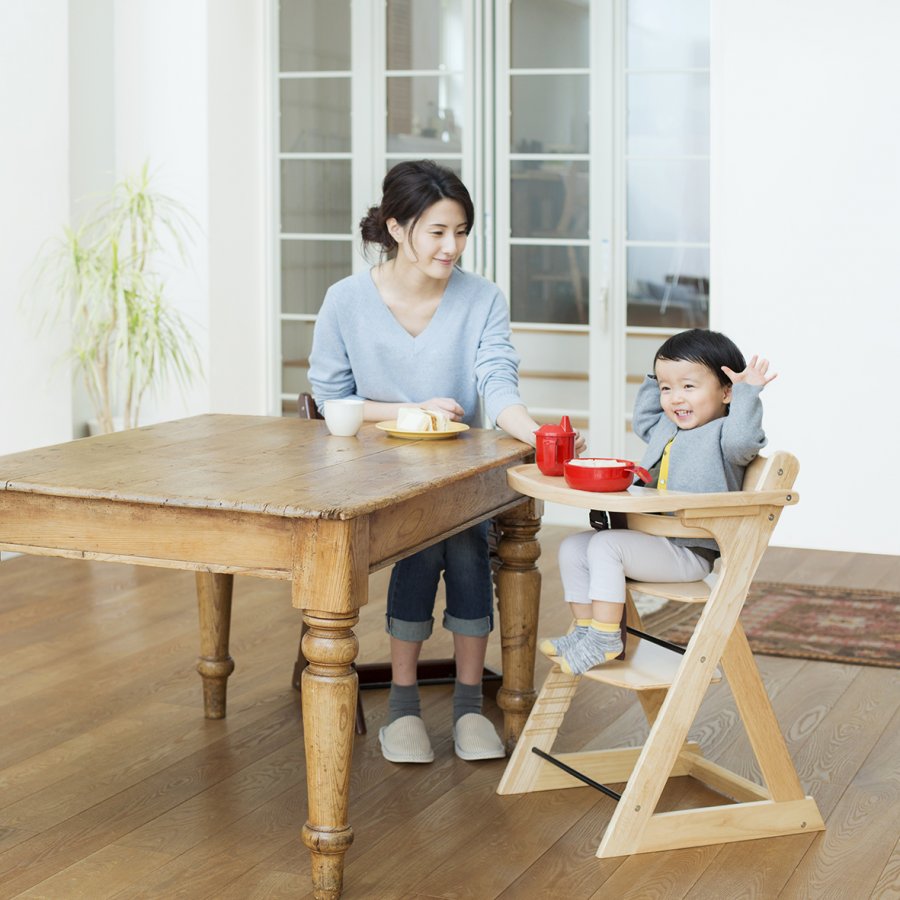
[668, 287]
[549, 199]
[549, 285]
[315, 196]
[666, 180]
[425, 114]
[315, 115]
[544, 246]
[426, 34]
[549, 113]
[549, 34]
[308, 269]
[314, 35]
[668, 34]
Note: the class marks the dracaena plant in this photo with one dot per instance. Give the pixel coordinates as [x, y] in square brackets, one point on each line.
[126, 338]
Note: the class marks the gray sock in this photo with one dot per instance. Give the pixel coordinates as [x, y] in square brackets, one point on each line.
[594, 649]
[403, 701]
[559, 646]
[466, 699]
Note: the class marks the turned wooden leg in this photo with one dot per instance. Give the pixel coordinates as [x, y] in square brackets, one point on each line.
[214, 664]
[518, 599]
[329, 688]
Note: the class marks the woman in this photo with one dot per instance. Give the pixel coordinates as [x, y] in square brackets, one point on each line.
[417, 330]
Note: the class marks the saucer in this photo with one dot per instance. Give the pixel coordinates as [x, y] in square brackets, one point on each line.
[453, 429]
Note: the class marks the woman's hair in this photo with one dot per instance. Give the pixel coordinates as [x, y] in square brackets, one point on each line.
[709, 348]
[407, 191]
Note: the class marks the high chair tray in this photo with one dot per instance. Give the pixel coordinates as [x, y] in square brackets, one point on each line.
[528, 480]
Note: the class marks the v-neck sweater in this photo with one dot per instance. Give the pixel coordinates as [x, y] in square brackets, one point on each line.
[360, 350]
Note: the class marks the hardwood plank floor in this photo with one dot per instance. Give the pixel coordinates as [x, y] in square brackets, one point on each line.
[112, 785]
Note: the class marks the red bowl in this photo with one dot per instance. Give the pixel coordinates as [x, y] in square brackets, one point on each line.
[602, 474]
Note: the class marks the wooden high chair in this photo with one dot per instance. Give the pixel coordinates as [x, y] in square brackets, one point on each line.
[671, 681]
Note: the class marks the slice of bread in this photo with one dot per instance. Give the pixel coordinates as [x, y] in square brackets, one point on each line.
[411, 418]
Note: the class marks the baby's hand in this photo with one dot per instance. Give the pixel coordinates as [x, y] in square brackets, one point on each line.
[755, 373]
[446, 405]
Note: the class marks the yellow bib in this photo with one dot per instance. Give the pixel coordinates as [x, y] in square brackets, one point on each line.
[662, 483]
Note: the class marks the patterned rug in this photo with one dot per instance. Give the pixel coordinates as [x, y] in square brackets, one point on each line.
[826, 623]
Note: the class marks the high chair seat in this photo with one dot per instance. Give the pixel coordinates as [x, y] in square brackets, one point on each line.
[684, 592]
[671, 681]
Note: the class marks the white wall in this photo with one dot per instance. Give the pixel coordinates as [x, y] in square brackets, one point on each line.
[161, 116]
[35, 394]
[89, 90]
[805, 231]
[240, 320]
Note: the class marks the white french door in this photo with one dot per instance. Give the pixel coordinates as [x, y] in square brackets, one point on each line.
[581, 129]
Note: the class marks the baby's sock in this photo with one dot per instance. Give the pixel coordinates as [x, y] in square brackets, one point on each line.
[467, 698]
[602, 642]
[559, 645]
[403, 700]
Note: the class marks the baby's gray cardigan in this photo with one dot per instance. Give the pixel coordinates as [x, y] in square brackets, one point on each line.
[707, 459]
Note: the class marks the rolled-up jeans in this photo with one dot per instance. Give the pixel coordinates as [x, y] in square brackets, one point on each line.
[465, 562]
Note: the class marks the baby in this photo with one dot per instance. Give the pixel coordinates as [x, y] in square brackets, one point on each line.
[701, 417]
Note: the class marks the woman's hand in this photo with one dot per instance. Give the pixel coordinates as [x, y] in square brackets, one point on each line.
[755, 373]
[580, 443]
[447, 405]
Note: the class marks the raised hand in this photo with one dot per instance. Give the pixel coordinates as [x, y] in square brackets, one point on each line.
[755, 373]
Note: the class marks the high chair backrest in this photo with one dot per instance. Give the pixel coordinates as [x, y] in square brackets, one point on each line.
[765, 473]
[771, 473]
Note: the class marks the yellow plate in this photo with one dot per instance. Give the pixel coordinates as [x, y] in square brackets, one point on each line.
[453, 429]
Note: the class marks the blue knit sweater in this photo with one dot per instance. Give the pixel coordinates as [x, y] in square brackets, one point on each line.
[360, 350]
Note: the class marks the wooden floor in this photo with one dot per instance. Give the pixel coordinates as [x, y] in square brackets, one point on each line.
[113, 785]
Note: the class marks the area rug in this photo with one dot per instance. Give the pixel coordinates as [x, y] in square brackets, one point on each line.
[826, 623]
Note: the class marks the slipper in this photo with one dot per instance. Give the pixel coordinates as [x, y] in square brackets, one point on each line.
[405, 740]
[474, 737]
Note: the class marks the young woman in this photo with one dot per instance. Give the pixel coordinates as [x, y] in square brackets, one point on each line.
[415, 329]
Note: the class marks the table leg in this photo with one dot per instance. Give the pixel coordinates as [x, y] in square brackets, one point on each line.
[214, 664]
[329, 690]
[518, 599]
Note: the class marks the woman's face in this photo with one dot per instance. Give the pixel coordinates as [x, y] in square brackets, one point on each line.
[436, 243]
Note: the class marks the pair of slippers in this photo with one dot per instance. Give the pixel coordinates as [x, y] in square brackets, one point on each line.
[405, 740]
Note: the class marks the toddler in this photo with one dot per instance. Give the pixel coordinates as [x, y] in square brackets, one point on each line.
[701, 417]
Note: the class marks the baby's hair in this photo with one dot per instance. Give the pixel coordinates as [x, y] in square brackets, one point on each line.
[407, 191]
[709, 348]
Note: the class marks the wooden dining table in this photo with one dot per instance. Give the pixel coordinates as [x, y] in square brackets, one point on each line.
[281, 498]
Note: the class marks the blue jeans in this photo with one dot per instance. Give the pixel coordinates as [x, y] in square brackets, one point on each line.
[465, 562]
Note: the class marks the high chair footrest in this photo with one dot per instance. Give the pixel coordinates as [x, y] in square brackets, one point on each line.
[646, 667]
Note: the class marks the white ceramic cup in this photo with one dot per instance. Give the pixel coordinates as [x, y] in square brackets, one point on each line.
[344, 417]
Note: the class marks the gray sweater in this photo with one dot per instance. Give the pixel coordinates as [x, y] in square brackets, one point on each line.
[360, 350]
[707, 459]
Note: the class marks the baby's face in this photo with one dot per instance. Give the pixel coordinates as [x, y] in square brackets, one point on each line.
[690, 394]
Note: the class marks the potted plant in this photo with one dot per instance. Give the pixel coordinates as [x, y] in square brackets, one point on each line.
[127, 339]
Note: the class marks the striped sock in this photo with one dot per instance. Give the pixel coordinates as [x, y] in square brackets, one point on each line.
[602, 642]
[559, 645]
